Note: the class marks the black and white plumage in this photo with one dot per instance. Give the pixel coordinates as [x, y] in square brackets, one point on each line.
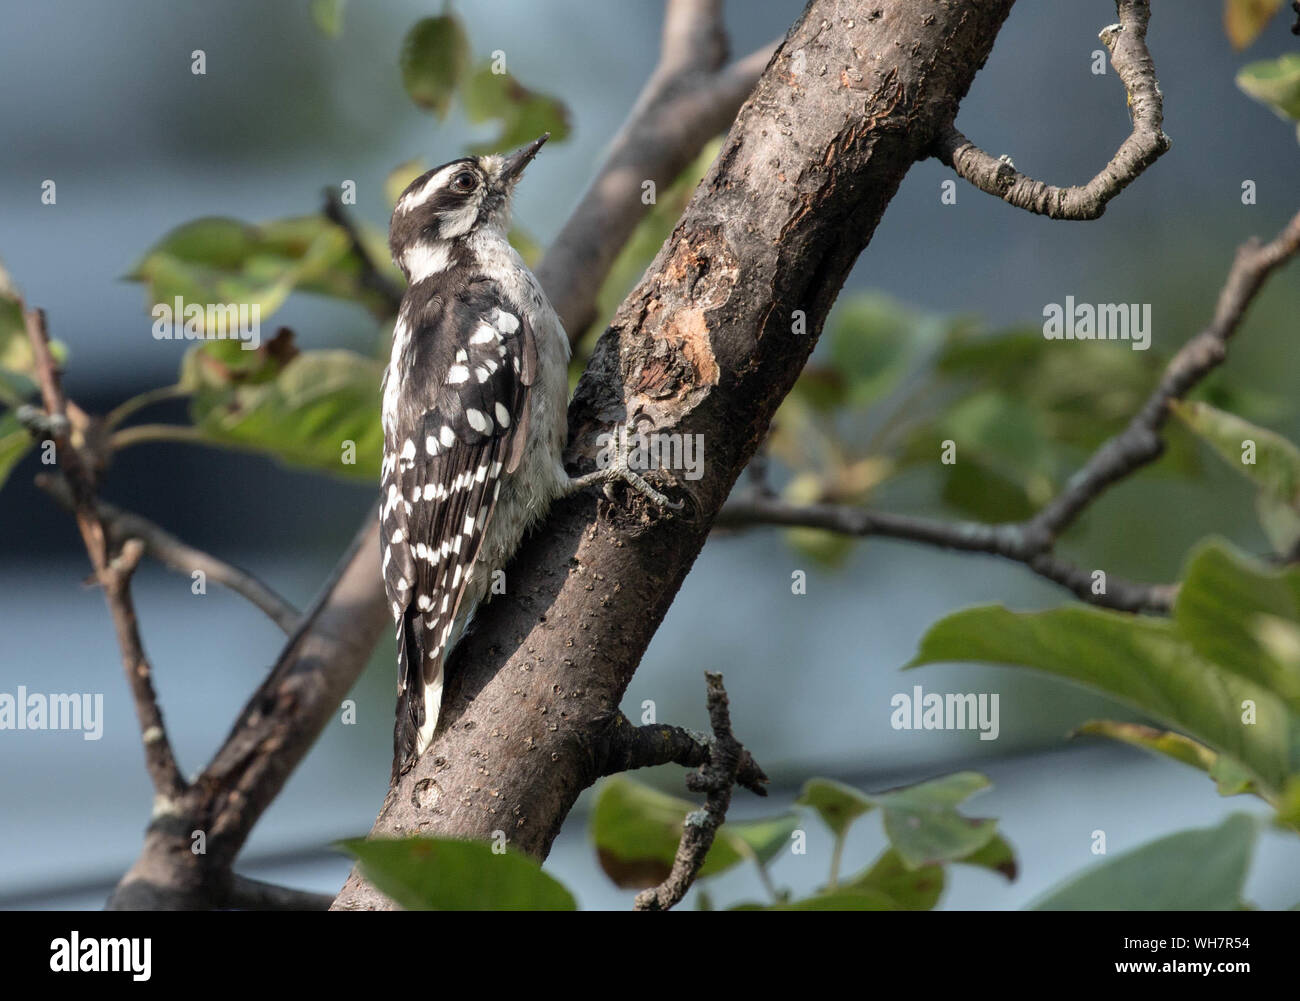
[473, 414]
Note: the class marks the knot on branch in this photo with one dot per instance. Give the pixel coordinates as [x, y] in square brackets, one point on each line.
[725, 758]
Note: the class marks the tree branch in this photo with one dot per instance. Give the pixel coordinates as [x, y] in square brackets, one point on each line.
[113, 568]
[1031, 542]
[1007, 540]
[179, 556]
[254, 895]
[688, 99]
[715, 778]
[625, 747]
[1140, 444]
[1126, 43]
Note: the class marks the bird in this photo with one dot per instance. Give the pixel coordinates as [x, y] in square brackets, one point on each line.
[473, 407]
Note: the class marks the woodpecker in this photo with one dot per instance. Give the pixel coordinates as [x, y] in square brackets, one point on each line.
[474, 419]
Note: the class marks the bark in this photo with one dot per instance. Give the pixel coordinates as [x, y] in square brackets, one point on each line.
[706, 344]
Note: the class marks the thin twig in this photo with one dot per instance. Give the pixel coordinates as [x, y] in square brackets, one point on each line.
[373, 276]
[1032, 542]
[715, 778]
[1126, 42]
[113, 571]
[140, 434]
[147, 399]
[625, 747]
[1007, 540]
[180, 556]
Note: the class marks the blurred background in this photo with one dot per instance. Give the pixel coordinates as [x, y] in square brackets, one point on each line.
[100, 98]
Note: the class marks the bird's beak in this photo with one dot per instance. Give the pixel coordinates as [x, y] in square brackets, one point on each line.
[516, 162]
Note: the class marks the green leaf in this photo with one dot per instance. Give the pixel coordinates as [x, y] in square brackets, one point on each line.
[1199, 870]
[1275, 469]
[1234, 611]
[1230, 777]
[1001, 435]
[434, 61]
[761, 839]
[636, 830]
[15, 441]
[907, 888]
[923, 825]
[427, 874]
[874, 341]
[1275, 82]
[1170, 744]
[997, 855]
[1080, 396]
[524, 114]
[303, 415]
[328, 15]
[864, 900]
[1243, 20]
[1147, 663]
[217, 260]
[837, 804]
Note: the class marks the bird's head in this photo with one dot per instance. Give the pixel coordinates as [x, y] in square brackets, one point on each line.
[454, 201]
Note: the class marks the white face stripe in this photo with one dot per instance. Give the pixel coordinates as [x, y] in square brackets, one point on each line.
[423, 260]
[458, 223]
[416, 198]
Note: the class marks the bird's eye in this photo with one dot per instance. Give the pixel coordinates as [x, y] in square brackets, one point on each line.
[464, 181]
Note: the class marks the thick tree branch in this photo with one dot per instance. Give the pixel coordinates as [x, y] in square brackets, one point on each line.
[179, 556]
[1031, 542]
[715, 778]
[113, 568]
[704, 345]
[1126, 43]
[689, 98]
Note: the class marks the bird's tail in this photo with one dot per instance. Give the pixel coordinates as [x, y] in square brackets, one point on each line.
[419, 702]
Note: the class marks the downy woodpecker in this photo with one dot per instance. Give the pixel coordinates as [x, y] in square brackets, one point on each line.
[474, 419]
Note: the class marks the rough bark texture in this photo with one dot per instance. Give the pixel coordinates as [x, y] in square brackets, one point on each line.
[705, 345]
[307, 684]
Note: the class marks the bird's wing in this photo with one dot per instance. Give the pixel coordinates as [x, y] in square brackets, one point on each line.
[458, 420]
